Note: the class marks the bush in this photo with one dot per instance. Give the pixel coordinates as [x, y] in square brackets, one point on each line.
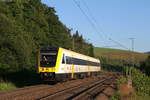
[145, 66]
[141, 82]
[6, 86]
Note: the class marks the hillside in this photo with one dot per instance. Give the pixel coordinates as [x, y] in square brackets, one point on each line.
[28, 25]
[119, 54]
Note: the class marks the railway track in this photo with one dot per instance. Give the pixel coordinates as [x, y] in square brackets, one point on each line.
[82, 92]
[87, 88]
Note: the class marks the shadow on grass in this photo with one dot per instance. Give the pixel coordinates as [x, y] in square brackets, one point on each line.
[23, 78]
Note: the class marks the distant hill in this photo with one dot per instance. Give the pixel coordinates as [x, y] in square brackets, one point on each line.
[119, 54]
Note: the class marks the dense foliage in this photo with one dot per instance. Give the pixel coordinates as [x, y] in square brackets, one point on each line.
[145, 66]
[27, 25]
[141, 82]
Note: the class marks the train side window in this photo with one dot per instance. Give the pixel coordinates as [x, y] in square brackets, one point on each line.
[68, 60]
[63, 60]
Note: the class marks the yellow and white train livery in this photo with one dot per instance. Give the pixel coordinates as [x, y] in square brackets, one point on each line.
[59, 64]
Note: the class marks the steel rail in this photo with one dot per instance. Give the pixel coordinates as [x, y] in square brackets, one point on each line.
[74, 92]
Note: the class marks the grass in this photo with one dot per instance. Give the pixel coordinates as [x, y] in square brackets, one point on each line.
[116, 96]
[120, 54]
[106, 50]
[6, 86]
[141, 97]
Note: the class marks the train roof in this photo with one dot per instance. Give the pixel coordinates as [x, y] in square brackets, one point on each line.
[45, 49]
[79, 53]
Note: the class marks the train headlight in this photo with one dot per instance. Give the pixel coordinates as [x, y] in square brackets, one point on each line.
[45, 74]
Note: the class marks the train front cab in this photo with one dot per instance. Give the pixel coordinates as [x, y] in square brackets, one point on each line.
[47, 60]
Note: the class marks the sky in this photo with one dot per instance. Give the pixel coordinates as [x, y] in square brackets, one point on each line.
[105, 22]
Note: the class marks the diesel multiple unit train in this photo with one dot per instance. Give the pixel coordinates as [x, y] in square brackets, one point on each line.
[57, 64]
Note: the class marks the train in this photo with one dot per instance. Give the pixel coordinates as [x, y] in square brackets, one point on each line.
[58, 64]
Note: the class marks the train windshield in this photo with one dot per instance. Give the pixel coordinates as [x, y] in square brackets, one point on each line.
[48, 59]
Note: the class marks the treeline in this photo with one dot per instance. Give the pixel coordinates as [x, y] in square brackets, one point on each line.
[27, 25]
[109, 64]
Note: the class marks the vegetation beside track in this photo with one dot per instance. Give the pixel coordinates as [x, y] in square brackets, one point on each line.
[19, 79]
[6, 86]
[139, 76]
[139, 73]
